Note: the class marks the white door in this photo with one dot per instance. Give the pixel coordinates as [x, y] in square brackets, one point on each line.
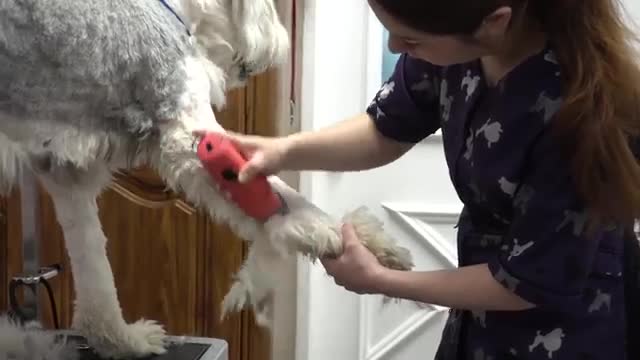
[341, 71]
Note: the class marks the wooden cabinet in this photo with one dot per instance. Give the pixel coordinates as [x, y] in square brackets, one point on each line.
[171, 263]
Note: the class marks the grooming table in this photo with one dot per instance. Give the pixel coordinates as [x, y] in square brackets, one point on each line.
[180, 348]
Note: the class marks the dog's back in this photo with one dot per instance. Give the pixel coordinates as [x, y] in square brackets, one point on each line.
[93, 64]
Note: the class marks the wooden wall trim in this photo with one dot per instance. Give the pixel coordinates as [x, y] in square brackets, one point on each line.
[138, 195]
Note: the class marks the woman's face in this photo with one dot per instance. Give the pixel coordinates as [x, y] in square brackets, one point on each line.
[443, 50]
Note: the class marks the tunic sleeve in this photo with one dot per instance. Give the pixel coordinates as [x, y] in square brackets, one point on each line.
[406, 108]
[547, 257]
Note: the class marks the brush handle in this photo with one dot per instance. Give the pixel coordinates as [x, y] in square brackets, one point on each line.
[223, 163]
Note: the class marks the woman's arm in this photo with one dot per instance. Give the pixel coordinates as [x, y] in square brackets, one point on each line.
[397, 118]
[469, 288]
[352, 145]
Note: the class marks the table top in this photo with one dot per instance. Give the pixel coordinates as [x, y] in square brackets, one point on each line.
[179, 348]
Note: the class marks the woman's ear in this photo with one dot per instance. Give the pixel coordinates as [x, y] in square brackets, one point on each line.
[495, 24]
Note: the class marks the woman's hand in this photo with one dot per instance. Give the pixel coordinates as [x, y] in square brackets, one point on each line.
[265, 155]
[469, 288]
[357, 269]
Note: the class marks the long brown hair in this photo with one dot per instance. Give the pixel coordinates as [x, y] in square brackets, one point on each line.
[600, 118]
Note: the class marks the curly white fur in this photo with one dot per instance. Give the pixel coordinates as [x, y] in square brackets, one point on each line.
[31, 342]
[74, 123]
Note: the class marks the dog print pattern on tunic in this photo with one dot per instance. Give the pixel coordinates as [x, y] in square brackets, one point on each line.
[470, 82]
[384, 92]
[424, 84]
[551, 57]
[547, 106]
[469, 144]
[601, 301]
[387, 89]
[507, 186]
[576, 220]
[523, 197]
[480, 316]
[551, 342]
[491, 131]
[507, 172]
[518, 249]
[446, 101]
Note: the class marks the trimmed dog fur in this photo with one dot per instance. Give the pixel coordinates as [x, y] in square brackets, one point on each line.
[91, 87]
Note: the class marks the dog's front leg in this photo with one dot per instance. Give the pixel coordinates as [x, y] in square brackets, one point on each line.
[303, 229]
[97, 313]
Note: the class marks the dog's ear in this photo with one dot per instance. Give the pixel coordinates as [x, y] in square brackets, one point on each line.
[263, 41]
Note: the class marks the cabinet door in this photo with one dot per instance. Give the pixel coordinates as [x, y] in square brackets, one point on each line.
[10, 244]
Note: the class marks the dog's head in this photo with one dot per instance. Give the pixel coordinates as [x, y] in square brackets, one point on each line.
[242, 37]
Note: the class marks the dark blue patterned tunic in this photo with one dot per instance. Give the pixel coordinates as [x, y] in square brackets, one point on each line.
[521, 215]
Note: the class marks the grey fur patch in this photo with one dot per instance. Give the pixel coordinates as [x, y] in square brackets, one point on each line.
[86, 64]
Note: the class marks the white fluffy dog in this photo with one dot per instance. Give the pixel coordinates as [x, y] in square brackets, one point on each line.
[91, 87]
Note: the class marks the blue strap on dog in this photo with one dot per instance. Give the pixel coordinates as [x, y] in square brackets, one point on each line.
[166, 5]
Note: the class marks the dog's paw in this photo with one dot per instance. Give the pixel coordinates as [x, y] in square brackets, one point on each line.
[236, 299]
[240, 298]
[140, 339]
[370, 231]
[323, 237]
[394, 257]
[148, 337]
[305, 230]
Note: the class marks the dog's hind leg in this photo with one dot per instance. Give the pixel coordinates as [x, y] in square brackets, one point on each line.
[97, 313]
[254, 283]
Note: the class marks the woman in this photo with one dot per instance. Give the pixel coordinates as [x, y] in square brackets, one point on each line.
[537, 102]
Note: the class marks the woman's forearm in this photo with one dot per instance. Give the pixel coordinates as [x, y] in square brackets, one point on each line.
[352, 145]
[468, 288]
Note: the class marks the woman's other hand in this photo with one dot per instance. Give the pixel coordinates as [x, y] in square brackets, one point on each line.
[356, 269]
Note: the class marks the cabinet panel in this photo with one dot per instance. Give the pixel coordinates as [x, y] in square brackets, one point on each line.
[10, 244]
